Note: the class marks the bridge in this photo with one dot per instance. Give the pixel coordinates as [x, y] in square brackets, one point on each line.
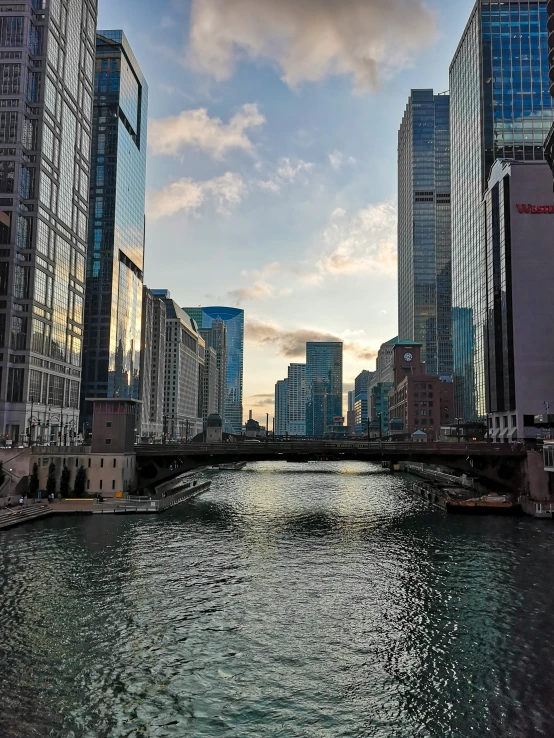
[502, 466]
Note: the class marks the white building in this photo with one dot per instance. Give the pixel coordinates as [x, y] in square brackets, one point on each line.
[184, 359]
[296, 399]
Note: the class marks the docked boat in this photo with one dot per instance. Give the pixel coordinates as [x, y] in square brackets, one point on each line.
[488, 505]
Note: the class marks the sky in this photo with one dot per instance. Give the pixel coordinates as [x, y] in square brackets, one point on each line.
[271, 178]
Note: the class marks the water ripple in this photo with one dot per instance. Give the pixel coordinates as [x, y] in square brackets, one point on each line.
[298, 601]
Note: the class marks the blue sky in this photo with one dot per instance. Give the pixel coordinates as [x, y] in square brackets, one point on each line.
[272, 161]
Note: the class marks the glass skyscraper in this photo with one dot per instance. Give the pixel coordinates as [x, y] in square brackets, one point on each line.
[47, 70]
[115, 262]
[424, 237]
[234, 321]
[323, 387]
[500, 107]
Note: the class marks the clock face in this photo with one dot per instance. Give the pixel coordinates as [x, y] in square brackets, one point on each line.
[408, 357]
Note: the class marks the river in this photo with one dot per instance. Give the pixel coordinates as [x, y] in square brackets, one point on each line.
[299, 601]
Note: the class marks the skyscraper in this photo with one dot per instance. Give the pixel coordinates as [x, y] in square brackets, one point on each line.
[281, 408]
[216, 338]
[115, 261]
[208, 394]
[500, 107]
[361, 401]
[184, 364]
[296, 396]
[323, 387]
[47, 72]
[234, 322]
[424, 239]
[152, 365]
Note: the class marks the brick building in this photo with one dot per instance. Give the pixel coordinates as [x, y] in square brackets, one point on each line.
[420, 401]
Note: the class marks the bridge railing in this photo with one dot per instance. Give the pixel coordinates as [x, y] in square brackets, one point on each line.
[322, 447]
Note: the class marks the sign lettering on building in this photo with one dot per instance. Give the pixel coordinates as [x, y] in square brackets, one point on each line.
[536, 209]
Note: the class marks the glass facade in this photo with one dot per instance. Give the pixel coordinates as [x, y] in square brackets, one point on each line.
[424, 235]
[360, 398]
[323, 387]
[46, 91]
[234, 321]
[113, 310]
[500, 108]
[281, 407]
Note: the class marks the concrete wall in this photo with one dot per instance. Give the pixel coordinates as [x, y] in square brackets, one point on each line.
[106, 474]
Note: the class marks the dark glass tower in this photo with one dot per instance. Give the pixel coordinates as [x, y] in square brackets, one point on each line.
[233, 318]
[47, 73]
[549, 143]
[323, 387]
[500, 107]
[424, 237]
[113, 307]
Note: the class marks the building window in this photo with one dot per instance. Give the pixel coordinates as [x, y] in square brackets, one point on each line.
[88, 483]
[76, 463]
[108, 441]
[113, 484]
[89, 463]
[100, 484]
[108, 423]
[514, 421]
[101, 463]
[114, 463]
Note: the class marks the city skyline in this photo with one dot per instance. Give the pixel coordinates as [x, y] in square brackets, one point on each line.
[313, 166]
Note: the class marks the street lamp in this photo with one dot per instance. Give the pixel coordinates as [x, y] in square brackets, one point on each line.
[458, 421]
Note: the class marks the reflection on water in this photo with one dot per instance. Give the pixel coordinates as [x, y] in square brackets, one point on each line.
[291, 600]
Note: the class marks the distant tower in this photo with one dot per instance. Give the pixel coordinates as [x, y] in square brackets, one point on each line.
[323, 387]
[424, 239]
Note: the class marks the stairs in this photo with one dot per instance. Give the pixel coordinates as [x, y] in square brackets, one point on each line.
[10, 517]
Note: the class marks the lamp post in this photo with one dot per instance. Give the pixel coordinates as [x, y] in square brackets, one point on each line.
[458, 421]
[267, 427]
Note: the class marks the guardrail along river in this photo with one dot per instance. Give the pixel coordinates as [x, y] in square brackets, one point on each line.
[300, 601]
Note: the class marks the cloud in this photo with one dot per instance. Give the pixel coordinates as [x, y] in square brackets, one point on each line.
[292, 343]
[259, 290]
[195, 129]
[187, 195]
[309, 40]
[286, 173]
[260, 400]
[337, 159]
[364, 244]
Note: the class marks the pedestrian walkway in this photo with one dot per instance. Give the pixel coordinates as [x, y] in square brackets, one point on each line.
[10, 517]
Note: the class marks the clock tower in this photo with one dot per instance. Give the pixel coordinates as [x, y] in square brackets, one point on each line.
[407, 361]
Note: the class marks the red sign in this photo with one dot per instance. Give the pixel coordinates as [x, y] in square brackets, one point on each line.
[536, 209]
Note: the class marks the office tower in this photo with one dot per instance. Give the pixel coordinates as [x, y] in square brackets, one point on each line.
[115, 261]
[208, 394]
[296, 395]
[145, 372]
[384, 365]
[549, 143]
[361, 401]
[323, 387]
[47, 72]
[351, 414]
[152, 365]
[379, 409]
[519, 265]
[500, 107]
[234, 323]
[424, 239]
[281, 408]
[216, 338]
[184, 362]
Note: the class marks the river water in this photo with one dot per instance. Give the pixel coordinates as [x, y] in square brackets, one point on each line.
[299, 601]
